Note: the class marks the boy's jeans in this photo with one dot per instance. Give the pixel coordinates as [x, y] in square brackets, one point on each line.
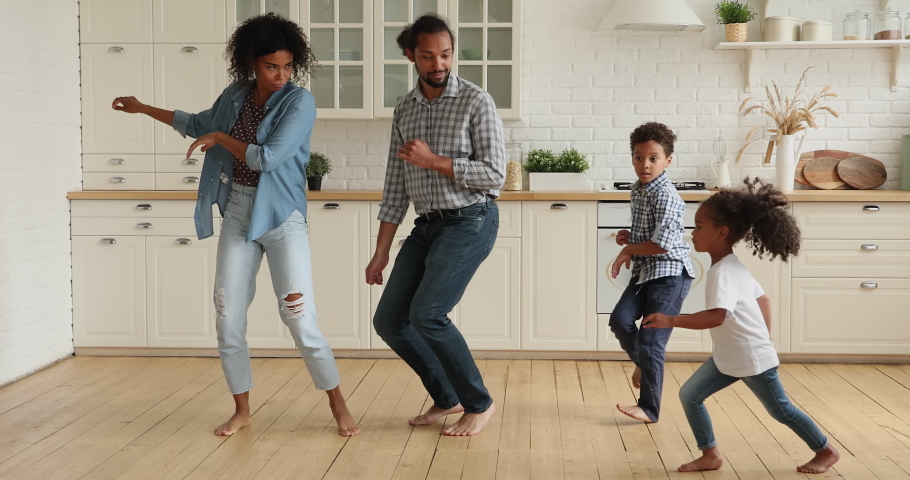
[288, 252]
[431, 273]
[766, 386]
[647, 347]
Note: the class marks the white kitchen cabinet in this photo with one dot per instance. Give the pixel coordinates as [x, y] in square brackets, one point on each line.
[340, 246]
[193, 21]
[117, 164]
[109, 291]
[774, 278]
[189, 78]
[241, 10]
[558, 299]
[181, 280]
[106, 21]
[109, 71]
[489, 313]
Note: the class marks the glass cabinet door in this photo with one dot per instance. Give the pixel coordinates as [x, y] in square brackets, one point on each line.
[395, 74]
[240, 10]
[340, 32]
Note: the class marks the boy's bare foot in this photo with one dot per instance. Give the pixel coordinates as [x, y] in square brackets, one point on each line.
[822, 461]
[710, 460]
[635, 412]
[433, 413]
[636, 378]
[347, 426]
[470, 423]
[238, 420]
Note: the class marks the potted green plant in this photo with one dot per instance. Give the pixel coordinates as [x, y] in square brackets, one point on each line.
[549, 172]
[319, 166]
[735, 16]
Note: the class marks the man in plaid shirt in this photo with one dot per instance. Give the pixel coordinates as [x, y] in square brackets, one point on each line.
[447, 157]
[663, 272]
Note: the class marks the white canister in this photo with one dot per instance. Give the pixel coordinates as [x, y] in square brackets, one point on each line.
[782, 29]
[817, 31]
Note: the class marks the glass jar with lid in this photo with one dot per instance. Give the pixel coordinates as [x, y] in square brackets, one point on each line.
[858, 26]
[907, 27]
[888, 25]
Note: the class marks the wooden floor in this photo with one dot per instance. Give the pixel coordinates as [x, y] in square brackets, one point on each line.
[152, 418]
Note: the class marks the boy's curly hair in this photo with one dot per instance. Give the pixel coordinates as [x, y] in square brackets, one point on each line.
[264, 35]
[658, 132]
[758, 214]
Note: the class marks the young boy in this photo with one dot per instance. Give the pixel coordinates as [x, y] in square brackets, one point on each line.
[662, 273]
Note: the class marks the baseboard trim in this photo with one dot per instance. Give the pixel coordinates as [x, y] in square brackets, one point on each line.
[480, 354]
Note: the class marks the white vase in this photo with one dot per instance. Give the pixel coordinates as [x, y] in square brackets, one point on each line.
[554, 182]
[721, 173]
[788, 149]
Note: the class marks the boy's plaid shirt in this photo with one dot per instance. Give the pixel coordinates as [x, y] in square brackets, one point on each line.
[657, 215]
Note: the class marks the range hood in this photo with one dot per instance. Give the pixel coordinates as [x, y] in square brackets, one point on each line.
[659, 15]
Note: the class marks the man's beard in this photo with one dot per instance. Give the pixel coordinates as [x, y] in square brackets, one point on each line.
[426, 79]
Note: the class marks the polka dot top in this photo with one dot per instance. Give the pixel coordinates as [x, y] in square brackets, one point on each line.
[244, 130]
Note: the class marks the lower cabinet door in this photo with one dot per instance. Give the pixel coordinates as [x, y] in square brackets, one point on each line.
[181, 279]
[109, 291]
[489, 313]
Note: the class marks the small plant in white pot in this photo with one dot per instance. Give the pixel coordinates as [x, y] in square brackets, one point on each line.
[735, 16]
[549, 172]
[319, 166]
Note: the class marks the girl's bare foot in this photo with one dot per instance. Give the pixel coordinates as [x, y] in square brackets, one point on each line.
[239, 420]
[470, 423]
[635, 412]
[822, 461]
[347, 426]
[710, 460]
[636, 378]
[433, 413]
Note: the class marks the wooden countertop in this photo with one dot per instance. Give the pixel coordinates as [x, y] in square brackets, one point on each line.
[796, 196]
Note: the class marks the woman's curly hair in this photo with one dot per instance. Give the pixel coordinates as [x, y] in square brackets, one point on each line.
[758, 214]
[264, 35]
[658, 132]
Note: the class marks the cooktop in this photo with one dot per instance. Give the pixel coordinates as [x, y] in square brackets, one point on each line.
[678, 185]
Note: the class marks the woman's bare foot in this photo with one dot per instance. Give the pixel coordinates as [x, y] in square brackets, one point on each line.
[433, 413]
[636, 378]
[470, 423]
[238, 420]
[710, 460]
[635, 412]
[347, 426]
[822, 461]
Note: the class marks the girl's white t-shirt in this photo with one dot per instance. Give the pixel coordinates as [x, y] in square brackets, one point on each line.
[742, 345]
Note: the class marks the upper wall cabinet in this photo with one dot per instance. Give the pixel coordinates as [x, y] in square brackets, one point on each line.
[241, 10]
[193, 21]
[122, 21]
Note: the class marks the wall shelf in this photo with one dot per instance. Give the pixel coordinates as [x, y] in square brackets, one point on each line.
[896, 47]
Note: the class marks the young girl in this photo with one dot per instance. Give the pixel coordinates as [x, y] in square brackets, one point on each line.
[257, 142]
[739, 316]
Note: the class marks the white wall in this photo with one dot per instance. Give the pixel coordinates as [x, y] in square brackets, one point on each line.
[39, 163]
[589, 90]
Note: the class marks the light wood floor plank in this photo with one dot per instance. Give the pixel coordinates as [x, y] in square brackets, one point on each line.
[483, 450]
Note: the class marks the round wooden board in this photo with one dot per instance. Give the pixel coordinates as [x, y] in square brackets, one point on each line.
[822, 173]
[862, 172]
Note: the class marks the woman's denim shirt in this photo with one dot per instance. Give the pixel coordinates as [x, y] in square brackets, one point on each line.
[282, 156]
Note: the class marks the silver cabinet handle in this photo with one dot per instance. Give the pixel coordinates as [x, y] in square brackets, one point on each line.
[189, 50]
[143, 206]
[190, 179]
[331, 206]
[145, 225]
[559, 206]
[868, 285]
[109, 241]
[183, 241]
[871, 208]
[190, 161]
[115, 50]
[117, 180]
[869, 246]
[116, 161]
[401, 243]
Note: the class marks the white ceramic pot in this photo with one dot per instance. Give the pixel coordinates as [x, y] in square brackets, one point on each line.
[782, 29]
[817, 31]
[551, 182]
[788, 149]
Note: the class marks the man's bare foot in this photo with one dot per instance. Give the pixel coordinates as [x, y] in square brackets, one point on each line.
[347, 426]
[635, 412]
[433, 413]
[470, 423]
[710, 460]
[237, 421]
[636, 378]
[822, 461]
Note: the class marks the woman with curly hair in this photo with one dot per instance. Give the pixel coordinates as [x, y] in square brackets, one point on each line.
[256, 139]
[739, 316]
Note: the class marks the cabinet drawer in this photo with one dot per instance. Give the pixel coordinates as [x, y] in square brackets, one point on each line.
[853, 220]
[178, 164]
[509, 220]
[182, 227]
[177, 181]
[840, 316]
[853, 258]
[134, 208]
[118, 163]
[118, 181]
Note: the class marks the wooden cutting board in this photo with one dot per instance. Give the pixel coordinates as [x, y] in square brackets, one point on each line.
[807, 157]
[861, 172]
[821, 173]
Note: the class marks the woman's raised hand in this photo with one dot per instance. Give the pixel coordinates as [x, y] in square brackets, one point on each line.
[127, 104]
